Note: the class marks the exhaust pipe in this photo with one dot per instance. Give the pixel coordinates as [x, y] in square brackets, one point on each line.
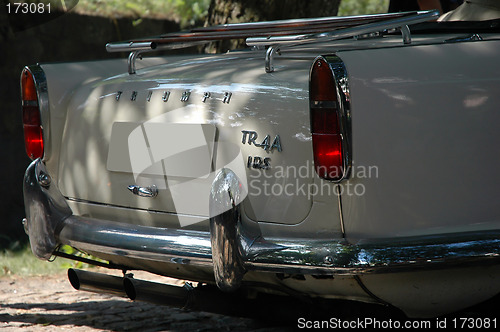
[96, 282]
[147, 291]
[205, 298]
[202, 298]
[212, 299]
[208, 298]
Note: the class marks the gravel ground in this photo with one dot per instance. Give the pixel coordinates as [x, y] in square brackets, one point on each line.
[49, 303]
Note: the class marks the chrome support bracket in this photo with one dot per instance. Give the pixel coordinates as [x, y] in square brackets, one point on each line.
[405, 32]
[271, 51]
[132, 57]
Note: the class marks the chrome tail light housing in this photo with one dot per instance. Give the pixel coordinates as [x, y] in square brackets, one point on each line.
[330, 116]
[34, 102]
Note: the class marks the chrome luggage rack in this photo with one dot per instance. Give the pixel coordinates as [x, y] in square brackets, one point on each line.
[276, 35]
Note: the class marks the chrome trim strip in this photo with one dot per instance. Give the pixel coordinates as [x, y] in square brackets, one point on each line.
[50, 222]
[341, 211]
[469, 38]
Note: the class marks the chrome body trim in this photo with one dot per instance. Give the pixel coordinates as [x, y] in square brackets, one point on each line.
[470, 38]
[50, 222]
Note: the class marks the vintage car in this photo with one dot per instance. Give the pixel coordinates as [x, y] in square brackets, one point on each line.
[349, 158]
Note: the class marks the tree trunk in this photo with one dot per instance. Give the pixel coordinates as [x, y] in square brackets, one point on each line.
[238, 11]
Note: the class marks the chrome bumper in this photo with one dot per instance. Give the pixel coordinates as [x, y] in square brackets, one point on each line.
[50, 222]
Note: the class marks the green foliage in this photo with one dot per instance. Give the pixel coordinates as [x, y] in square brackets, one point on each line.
[23, 262]
[190, 11]
[360, 7]
[77, 264]
[186, 12]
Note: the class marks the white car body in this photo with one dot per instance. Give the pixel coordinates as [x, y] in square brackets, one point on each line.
[416, 224]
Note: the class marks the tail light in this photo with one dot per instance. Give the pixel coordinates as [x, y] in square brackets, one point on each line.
[32, 86]
[330, 118]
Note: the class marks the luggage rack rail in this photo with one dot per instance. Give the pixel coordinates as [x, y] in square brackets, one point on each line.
[276, 35]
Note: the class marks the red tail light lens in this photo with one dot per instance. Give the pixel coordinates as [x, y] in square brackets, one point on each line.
[328, 156]
[33, 132]
[327, 137]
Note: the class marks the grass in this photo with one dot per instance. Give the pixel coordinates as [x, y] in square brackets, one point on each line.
[23, 262]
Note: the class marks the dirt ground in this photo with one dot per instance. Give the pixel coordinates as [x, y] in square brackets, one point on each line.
[49, 303]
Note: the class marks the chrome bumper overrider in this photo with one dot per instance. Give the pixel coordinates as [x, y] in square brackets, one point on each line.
[237, 248]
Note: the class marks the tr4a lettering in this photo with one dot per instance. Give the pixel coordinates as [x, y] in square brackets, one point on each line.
[251, 137]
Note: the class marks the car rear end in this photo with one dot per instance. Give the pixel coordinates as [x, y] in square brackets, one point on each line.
[338, 174]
